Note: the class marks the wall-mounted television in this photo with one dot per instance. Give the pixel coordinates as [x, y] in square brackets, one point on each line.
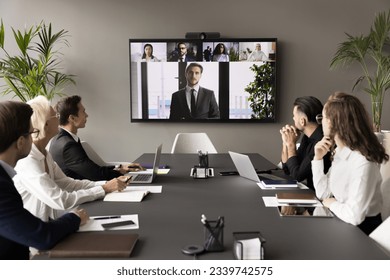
[203, 80]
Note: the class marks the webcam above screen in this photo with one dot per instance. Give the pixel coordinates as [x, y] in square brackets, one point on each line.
[203, 35]
[203, 78]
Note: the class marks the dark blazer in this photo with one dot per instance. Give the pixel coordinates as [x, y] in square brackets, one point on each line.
[188, 58]
[299, 166]
[74, 161]
[206, 106]
[19, 229]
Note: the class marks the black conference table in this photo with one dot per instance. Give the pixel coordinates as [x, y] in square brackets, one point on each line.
[171, 220]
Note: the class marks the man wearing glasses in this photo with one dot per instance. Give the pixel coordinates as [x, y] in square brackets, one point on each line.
[182, 54]
[20, 229]
[297, 162]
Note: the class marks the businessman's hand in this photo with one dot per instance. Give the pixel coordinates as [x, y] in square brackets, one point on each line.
[131, 167]
[83, 215]
[289, 135]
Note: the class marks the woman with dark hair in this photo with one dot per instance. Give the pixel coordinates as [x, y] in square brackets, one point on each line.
[220, 53]
[351, 188]
[148, 56]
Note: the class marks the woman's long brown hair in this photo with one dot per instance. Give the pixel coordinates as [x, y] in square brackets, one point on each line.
[350, 121]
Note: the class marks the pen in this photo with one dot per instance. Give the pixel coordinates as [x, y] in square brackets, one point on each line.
[106, 217]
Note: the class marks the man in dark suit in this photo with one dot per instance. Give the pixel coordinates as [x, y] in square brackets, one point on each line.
[19, 229]
[193, 101]
[69, 154]
[182, 54]
[296, 162]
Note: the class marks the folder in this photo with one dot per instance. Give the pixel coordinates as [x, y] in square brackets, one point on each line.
[95, 245]
[296, 197]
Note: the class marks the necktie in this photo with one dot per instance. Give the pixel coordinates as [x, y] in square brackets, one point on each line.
[193, 104]
[181, 59]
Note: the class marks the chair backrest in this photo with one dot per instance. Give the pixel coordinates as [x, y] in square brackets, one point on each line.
[381, 235]
[92, 154]
[192, 142]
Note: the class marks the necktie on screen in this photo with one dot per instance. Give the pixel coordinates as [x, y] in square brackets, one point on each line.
[193, 103]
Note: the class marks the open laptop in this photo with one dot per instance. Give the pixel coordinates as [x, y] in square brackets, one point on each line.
[244, 166]
[147, 177]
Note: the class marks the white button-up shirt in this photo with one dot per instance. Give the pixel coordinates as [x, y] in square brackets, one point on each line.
[354, 182]
[44, 193]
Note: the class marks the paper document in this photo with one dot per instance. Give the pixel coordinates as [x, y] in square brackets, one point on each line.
[271, 201]
[132, 193]
[300, 186]
[96, 225]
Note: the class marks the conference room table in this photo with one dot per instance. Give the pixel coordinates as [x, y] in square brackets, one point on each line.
[171, 220]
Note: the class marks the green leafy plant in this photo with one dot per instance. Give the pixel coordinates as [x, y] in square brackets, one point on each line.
[369, 51]
[36, 69]
[262, 91]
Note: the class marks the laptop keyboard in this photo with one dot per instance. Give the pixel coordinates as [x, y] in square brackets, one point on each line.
[142, 177]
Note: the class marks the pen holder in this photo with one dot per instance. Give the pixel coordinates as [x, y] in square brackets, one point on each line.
[213, 236]
[204, 160]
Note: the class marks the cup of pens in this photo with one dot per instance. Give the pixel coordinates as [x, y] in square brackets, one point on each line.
[213, 234]
[203, 159]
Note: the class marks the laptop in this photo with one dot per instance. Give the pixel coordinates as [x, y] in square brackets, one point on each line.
[244, 166]
[147, 177]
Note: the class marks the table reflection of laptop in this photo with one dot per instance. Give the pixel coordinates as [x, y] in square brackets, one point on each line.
[147, 177]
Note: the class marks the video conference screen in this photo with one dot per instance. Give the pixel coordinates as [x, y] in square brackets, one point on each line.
[209, 80]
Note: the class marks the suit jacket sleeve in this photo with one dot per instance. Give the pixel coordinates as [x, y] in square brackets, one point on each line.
[77, 160]
[214, 109]
[20, 226]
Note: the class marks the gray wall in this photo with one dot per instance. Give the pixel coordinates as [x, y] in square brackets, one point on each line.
[308, 33]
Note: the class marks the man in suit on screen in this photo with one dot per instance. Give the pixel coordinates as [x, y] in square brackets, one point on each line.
[194, 101]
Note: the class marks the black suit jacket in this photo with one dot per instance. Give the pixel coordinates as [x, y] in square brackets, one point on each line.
[74, 161]
[19, 229]
[299, 166]
[206, 106]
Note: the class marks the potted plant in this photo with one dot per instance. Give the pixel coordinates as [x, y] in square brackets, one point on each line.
[36, 69]
[369, 51]
[262, 91]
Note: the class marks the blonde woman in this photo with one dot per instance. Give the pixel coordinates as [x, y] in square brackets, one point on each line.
[41, 183]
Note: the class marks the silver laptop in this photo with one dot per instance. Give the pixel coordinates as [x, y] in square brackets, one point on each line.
[147, 177]
[244, 166]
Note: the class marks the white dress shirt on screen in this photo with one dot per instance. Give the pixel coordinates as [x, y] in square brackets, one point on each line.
[353, 181]
[44, 193]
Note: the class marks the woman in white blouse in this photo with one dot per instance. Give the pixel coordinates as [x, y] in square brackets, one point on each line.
[41, 183]
[351, 188]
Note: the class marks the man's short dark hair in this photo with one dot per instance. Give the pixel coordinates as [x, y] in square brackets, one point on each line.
[194, 64]
[15, 119]
[67, 106]
[310, 106]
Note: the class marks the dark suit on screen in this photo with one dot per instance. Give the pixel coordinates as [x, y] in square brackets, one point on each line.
[206, 106]
[187, 58]
[19, 229]
[74, 161]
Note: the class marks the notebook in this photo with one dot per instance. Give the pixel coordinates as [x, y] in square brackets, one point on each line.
[147, 177]
[95, 245]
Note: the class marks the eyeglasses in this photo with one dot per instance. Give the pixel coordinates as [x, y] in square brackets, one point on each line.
[319, 118]
[34, 133]
[57, 115]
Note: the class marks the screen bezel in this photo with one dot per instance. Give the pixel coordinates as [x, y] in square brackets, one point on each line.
[221, 101]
